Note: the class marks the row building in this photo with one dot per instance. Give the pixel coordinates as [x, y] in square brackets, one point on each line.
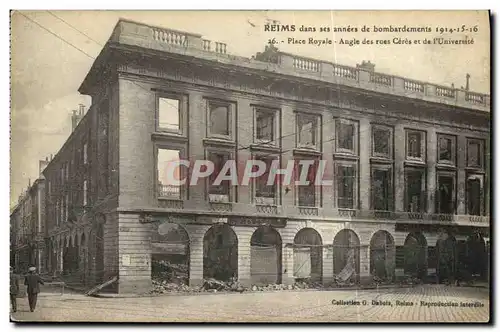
[410, 163]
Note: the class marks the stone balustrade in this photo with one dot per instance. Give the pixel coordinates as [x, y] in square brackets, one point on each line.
[363, 78]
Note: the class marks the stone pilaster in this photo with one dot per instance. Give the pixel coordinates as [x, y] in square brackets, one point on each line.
[431, 169]
[196, 234]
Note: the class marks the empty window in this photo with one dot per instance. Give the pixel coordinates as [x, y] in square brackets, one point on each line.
[265, 125]
[415, 190]
[262, 189]
[169, 173]
[307, 192]
[219, 160]
[475, 153]
[307, 129]
[445, 194]
[169, 114]
[346, 186]
[474, 195]
[414, 141]
[445, 149]
[381, 189]
[219, 119]
[346, 136]
[381, 141]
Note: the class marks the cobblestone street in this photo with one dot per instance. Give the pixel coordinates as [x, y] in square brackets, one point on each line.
[286, 306]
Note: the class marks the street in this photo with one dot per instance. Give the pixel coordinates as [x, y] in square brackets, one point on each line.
[284, 306]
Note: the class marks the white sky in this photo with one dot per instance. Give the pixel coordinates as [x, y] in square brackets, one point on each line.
[46, 72]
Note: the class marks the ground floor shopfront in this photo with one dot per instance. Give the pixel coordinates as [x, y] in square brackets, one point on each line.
[259, 250]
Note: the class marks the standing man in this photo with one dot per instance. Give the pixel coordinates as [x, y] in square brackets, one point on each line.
[14, 289]
[32, 281]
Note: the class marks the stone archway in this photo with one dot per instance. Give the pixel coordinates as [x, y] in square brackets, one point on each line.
[220, 253]
[170, 253]
[308, 255]
[265, 256]
[382, 255]
[415, 255]
[346, 256]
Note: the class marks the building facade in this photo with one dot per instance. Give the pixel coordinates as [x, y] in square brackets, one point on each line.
[27, 228]
[409, 162]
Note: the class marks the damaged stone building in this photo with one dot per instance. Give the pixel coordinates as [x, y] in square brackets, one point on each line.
[409, 162]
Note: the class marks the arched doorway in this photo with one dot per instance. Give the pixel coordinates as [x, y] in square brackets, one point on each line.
[346, 260]
[265, 256]
[220, 253]
[308, 255]
[478, 256]
[415, 256]
[447, 257]
[382, 255]
[170, 253]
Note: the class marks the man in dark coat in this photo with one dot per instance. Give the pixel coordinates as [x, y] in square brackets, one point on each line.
[14, 289]
[32, 281]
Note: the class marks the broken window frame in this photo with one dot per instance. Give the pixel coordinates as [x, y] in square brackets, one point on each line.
[389, 200]
[453, 143]
[266, 197]
[309, 190]
[274, 126]
[481, 200]
[223, 192]
[182, 105]
[423, 192]
[480, 156]
[183, 172]
[390, 140]
[439, 204]
[212, 104]
[355, 185]
[304, 118]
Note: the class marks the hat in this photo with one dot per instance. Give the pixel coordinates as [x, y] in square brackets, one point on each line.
[32, 269]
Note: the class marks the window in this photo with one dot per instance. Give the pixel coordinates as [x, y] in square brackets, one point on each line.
[446, 149]
[415, 189]
[85, 153]
[475, 153]
[264, 125]
[62, 209]
[262, 189]
[167, 187]
[382, 141]
[219, 159]
[169, 114]
[62, 173]
[474, 194]
[67, 171]
[415, 144]
[85, 193]
[346, 136]
[219, 119]
[307, 130]
[307, 192]
[57, 211]
[382, 197]
[445, 195]
[346, 186]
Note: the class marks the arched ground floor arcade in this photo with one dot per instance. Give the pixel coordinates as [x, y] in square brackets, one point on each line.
[258, 251]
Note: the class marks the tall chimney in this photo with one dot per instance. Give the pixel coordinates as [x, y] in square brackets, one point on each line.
[81, 110]
[467, 78]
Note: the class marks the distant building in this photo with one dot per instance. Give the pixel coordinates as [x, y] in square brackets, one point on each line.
[410, 162]
[27, 227]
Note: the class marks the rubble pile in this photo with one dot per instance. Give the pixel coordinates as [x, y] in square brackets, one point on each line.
[171, 273]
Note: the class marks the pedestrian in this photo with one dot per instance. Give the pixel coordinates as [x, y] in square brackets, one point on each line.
[32, 281]
[14, 289]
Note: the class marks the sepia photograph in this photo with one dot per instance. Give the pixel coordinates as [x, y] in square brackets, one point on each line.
[269, 166]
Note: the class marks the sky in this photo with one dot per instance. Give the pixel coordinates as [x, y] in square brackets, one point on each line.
[47, 67]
